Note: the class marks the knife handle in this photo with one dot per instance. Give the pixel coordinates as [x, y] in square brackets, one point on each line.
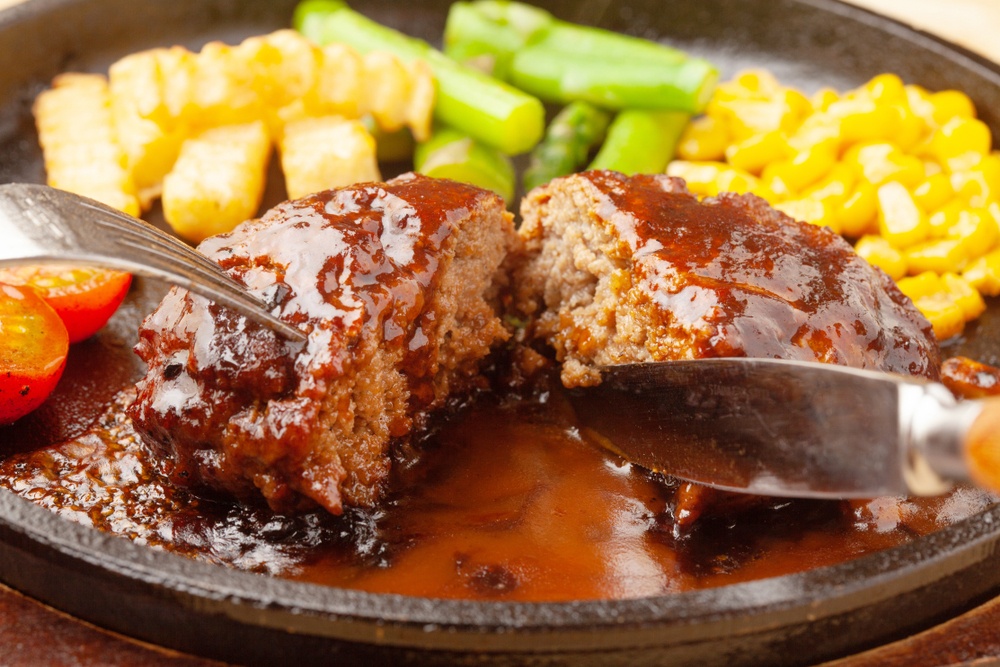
[982, 446]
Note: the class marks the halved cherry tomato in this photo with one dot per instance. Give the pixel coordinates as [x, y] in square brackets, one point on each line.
[85, 298]
[33, 348]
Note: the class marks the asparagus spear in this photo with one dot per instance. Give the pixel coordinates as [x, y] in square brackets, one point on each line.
[501, 27]
[640, 141]
[560, 61]
[570, 136]
[450, 153]
[484, 108]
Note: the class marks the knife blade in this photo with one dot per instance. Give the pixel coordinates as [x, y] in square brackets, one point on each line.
[788, 428]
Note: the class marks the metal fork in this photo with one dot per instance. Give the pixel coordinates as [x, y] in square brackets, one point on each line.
[43, 225]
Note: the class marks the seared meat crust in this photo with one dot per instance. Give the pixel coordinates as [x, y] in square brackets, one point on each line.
[637, 269]
[397, 286]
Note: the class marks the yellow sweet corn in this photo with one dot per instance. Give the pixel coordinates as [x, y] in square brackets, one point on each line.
[813, 211]
[932, 297]
[948, 104]
[877, 251]
[705, 138]
[77, 135]
[802, 169]
[863, 119]
[979, 184]
[976, 230]
[858, 214]
[960, 143]
[900, 220]
[702, 178]
[984, 273]
[907, 172]
[964, 295]
[881, 162]
[835, 187]
[933, 192]
[757, 151]
[939, 256]
[946, 216]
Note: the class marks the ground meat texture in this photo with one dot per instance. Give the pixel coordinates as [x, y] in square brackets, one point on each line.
[397, 285]
[636, 269]
[621, 270]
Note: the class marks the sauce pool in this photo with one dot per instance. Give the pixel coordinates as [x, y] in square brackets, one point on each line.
[502, 501]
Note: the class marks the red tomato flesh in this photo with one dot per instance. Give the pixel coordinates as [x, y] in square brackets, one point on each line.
[33, 348]
[85, 298]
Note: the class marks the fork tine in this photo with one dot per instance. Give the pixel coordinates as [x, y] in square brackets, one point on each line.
[40, 216]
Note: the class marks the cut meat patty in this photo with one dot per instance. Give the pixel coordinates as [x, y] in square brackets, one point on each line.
[636, 269]
[621, 270]
[397, 285]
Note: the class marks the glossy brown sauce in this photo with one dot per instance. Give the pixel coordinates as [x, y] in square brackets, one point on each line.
[504, 501]
[759, 283]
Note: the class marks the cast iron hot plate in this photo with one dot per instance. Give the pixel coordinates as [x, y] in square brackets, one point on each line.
[230, 615]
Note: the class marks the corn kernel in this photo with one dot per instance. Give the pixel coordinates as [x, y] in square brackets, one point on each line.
[939, 256]
[921, 286]
[805, 167]
[881, 162]
[823, 98]
[704, 138]
[702, 178]
[919, 101]
[819, 128]
[858, 214]
[760, 81]
[749, 117]
[877, 251]
[964, 295]
[945, 217]
[900, 220]
[976, 230]
[863, 120]
[813, 211]
[946, 317]
[933, 192]
[961, 143]
[979, 185]
[984, 273]
[736, 180]
[885, 88]
[949, 104]
[932, 298]
[836, 187]
[755, 152]
[910, 129]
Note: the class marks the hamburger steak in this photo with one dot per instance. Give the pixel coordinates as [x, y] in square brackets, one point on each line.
[622, 270]
[396, 285]
[637, 269]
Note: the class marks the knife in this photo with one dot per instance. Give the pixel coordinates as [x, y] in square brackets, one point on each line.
[791, 428]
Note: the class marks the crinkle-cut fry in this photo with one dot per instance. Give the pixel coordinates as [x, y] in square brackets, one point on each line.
[421, 107]
[340, 83]
[327, 152]
[77, 135]
[150, 92]
[217, 181]
[395, 93]
[284, 66]
[223, 90]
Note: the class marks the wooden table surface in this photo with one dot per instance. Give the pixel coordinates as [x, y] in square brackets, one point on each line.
[29, 629]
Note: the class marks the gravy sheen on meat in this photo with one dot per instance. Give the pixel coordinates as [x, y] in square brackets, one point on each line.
[396, 285]
[636, 269]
